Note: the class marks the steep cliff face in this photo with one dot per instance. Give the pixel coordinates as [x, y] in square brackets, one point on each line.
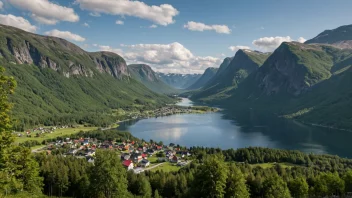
[21, 47]
[145, 74]
[108, 62]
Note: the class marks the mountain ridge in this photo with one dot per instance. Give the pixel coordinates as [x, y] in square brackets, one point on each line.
[208, 74]
[60, 83]
[145, 74]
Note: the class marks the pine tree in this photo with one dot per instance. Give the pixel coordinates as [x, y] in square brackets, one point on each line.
[107, 176]
[236, 183]
[210, 178]
[299, 187]
[275, 187]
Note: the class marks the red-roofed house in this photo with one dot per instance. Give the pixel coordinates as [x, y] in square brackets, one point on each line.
[128, 164]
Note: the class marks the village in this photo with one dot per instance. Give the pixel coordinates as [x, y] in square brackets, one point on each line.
[169, 110]
[135, 156]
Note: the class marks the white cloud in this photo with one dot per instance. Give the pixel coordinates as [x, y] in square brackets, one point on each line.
[238, 47]
[45, 11]
[153, 26]
[195, 26]
[1, 4]
[65, 35]
[119, 22]
[86, 25]
[94, 14]
[18, 22]
[173, 57]
[109, 49]
[301, 40]
[162, 15]
[270, 43]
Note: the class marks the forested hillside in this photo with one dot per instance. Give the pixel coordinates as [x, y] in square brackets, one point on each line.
[305, 81]
[59, 83]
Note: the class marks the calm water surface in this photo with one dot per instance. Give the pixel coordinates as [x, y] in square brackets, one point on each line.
[240, 129]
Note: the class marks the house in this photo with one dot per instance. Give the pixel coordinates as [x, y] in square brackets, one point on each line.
[150, 151]
[136, 157]
[125, 156]
[144, 155]
[157, 147]
[174, 159]
[145, 163]
[128, 164]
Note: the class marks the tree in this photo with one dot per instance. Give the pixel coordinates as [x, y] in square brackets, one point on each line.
[156, 194]
[298, 187]
[18, 170]
[210, 178]
[144, 188]
[107, 176]
[236, 184]
[274, 187]
[348, 181]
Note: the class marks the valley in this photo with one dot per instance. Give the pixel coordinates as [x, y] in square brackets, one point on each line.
[234, 102]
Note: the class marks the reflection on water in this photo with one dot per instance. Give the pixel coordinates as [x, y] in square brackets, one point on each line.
[241, 129]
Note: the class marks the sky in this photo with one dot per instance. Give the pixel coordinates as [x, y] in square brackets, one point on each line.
[177, 36]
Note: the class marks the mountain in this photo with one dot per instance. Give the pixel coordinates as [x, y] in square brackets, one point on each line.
[58, 82]
[335, 36]
[226, 62]
[233, 73]
[179, 81]
[144, 74]
[309, 82]
[208, 74]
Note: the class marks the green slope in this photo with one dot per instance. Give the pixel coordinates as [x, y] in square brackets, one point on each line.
[337, 35]
[306, 82]
[244, 63]
[59, 83]
[144, 74]
[208, 74]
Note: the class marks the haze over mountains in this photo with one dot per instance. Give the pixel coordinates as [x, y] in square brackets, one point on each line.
[179, 81]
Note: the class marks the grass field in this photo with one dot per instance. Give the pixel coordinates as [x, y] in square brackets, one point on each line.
[153, 159]
[270, 165]
[167, 167]
[57, 133]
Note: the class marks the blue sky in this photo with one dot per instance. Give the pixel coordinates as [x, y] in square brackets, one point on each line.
[174, 44]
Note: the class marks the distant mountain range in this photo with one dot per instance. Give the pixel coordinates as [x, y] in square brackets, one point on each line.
[57, 80]
[179, 81]
[309, 82]
[144, 74]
